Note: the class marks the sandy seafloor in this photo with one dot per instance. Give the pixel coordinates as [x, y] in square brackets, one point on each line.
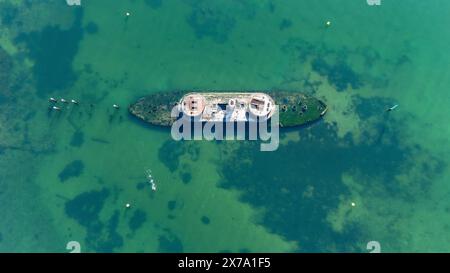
[67, 176]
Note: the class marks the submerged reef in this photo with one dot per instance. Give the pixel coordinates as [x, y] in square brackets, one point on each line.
[217, 19]
[337, 65]
[53, 49]
[73, 169]
[85, 209]
[8, 13]
[170, 243]
[339, 75]
[205, 220]
[213, 23]
[77, 139]
[91, 28]
[300, 184]
[171, 151]
[285, 23]
[154, 4]
[137, 220]
[6, 68]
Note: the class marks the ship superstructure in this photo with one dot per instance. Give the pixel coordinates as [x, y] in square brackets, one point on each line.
[211, 107]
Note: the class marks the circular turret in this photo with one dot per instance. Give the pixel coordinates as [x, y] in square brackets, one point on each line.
[193, 104]
[261, 105]
[232, 103]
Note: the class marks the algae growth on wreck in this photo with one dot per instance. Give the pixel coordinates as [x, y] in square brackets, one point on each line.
[360, 174]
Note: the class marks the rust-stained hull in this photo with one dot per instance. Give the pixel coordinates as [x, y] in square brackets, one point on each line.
[295, 108]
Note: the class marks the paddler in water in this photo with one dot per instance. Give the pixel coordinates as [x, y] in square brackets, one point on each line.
[392, 108]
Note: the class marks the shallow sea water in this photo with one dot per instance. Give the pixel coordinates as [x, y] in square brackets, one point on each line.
[67, 176]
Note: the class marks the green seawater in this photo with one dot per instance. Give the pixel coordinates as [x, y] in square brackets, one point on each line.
[361, 174]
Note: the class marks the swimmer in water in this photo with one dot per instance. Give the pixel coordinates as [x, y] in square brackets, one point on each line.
[150, 180]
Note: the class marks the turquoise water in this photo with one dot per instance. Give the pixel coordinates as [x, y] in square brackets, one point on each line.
[359, 175]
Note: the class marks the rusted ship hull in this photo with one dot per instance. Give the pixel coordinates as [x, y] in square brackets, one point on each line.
[295, 108]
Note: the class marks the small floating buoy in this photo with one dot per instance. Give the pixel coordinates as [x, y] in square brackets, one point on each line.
[53, 100]
[328, 23]
[127, 205]
[63, 100]
[116, 106]
[127, 14]
[74, 101]
[56, 108]
[353, 204]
